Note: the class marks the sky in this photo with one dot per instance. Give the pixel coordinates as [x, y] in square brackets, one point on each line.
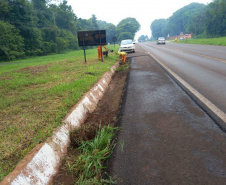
[145, 11]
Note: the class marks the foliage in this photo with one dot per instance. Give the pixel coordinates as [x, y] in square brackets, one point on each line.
[196, 18]
[182, 19]
[127, 28]
[11, 43]
[143, 38]
[215, 18]
[110, 30]
[42, 28]
[126, 35]
[93, 20]
[158, 27]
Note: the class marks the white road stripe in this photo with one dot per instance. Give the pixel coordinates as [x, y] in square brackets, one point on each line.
[198, 95]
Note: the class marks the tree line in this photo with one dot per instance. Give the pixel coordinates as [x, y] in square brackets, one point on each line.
[201, 20]
[41, 27]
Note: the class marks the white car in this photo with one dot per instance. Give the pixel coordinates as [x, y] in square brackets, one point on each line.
[161, 40]
[127, 46]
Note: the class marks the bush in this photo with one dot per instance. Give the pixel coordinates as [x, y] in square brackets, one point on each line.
[11, 43]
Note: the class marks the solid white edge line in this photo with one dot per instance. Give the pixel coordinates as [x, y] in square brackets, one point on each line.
[202, 98]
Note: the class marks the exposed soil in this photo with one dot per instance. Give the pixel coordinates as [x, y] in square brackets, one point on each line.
[106, 113]
[35, 69]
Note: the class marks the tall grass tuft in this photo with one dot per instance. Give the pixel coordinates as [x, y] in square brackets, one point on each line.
[89, 163]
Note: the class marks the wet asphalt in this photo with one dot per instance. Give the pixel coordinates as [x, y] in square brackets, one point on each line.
[165, 138]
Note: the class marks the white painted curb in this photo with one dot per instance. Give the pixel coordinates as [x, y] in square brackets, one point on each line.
[42, 163]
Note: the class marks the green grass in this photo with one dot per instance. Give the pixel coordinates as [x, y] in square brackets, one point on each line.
[123, 67]
[37, 93]
[89, 163]
[221, 41]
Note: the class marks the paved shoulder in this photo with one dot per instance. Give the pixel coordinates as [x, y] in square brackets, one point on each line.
[165, 137]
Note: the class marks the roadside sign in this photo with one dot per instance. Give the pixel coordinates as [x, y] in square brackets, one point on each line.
[181, 33]
[91, 38]
[186, 35]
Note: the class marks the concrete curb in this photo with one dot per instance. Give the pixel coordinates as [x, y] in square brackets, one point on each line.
[42, 163]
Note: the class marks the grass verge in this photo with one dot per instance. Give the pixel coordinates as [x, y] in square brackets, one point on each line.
[88, 165]
[221, 41]
[36, 94]
[123, 67]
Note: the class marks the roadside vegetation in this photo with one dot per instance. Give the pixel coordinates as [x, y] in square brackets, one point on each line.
[42, 27]
[221, 41]
[36, 94]
[88, 164]
[203, 21]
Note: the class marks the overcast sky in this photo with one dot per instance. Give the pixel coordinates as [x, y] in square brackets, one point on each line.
[145, 11]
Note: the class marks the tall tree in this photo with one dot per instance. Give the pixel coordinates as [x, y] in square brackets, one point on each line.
[215, 18]
[158, 28]
[11, 43]
[128, 25]
[125, 35]
[84, 24]
[5, 10]
[183, 19]
[143, 38]
[110, 32]
[23, 18]
[65, 17]
[93, 20]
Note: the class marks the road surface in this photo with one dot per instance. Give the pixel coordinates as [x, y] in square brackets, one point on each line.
[203, 67]
[165, 138]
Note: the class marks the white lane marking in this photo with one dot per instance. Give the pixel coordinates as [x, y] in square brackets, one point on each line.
[197, 54]
[198, 95]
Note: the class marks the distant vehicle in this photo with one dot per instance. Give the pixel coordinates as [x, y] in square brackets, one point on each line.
[161, 40]
[127, 46]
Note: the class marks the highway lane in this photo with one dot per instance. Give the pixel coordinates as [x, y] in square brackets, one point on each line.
[167, 138]
[203, 67]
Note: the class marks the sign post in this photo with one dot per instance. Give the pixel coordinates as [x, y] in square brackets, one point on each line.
[114, 39]
[84, 48]
[91, 38]
[100, 47]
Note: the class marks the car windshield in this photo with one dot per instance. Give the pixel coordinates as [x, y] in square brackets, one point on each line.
[124, 42]
[161, 38]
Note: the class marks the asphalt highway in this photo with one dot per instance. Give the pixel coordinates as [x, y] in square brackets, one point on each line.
[201, 66]
[164, 137]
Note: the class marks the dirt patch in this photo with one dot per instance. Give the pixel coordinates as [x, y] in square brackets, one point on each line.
[35, 69]
[105, 114]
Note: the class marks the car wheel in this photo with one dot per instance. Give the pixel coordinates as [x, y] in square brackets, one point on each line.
[133, 51]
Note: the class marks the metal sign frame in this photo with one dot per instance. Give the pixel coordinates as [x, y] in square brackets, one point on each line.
[92, 38]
